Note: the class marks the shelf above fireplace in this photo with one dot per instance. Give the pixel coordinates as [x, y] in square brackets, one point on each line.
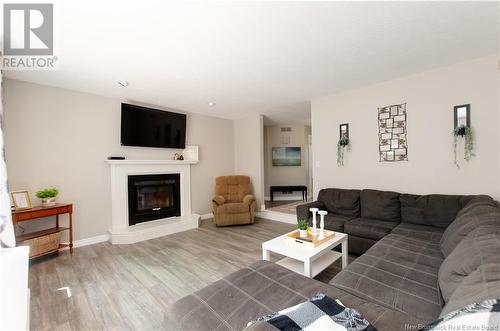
[138, 162]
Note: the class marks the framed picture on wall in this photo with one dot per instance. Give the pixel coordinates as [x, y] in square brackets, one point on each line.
[20, 199]
[286, 156]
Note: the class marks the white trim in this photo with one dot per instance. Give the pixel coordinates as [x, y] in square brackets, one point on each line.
[88, 241]
[153, 162]
[277, 216]
[207, 216]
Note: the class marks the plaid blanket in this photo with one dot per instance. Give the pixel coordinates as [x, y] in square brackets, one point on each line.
[483, 315]
[319, 313]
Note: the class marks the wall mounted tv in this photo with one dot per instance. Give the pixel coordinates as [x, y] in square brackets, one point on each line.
[146, 127]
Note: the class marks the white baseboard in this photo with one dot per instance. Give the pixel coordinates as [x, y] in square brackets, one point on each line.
[207, 216]
[89, 241]
[277, 216]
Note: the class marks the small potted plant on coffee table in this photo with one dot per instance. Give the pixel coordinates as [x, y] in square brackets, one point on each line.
[302, 225]
[48, 196]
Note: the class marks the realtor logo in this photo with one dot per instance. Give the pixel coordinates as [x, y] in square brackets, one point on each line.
[28, 29]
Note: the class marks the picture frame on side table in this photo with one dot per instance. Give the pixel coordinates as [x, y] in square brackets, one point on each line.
[21, 199]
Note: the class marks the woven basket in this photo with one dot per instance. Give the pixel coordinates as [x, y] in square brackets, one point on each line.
[42, 245]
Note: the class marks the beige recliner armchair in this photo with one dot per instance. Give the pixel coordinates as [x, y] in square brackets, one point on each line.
[233, 202]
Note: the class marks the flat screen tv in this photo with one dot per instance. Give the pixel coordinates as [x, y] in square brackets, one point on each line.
[146, 127]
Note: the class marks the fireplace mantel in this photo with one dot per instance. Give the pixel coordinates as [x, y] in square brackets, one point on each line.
[145, 162]
[121, 232]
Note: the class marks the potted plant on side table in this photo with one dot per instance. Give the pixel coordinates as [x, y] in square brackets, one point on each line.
[48, 196]
[302, 225]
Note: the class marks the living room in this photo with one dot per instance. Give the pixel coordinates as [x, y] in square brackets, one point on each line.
[373, 126]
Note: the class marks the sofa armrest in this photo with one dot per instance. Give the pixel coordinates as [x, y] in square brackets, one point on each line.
[303, 212]
[219, 200]
[248, 199]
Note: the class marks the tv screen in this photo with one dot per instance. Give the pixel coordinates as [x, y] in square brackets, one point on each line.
[148, 127]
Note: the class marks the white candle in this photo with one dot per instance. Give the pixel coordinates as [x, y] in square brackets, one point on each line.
[322, 214]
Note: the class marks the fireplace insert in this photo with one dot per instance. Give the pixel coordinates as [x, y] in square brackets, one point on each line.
[152, 197]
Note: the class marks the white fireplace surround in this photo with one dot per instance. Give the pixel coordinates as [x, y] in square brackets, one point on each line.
[121, 232]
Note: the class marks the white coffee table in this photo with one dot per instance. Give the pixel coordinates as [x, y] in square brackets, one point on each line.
[303, 260]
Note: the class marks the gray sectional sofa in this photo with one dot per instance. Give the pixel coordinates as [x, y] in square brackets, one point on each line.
[369, 215]
[424, 256]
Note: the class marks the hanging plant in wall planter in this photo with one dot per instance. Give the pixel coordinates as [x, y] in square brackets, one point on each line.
[343, 144]
[463, 131]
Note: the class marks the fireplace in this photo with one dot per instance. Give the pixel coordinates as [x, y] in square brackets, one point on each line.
[152, 197]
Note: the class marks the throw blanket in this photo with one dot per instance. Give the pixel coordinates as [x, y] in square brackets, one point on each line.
[319, 313]
[484, 315]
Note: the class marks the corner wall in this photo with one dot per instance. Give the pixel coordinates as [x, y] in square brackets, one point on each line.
[430, 97]
[249, 153]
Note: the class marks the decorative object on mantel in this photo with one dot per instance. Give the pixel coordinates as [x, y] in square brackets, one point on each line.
[462, 130]
[191, 153]
[116, 157]
[48, 196]
[20, 199]
[392, 133]
[178, 157]
[343, 143]
[302, 225]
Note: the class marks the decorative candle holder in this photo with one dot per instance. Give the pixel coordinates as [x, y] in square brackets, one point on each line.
[315, 228]
[322, 214]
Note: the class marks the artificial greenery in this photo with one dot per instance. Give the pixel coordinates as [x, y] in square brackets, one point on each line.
[302, 224]
[342, 145]
[47, 193]
[465, 132]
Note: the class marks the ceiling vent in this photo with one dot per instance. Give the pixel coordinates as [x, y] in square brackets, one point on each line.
[286, 129]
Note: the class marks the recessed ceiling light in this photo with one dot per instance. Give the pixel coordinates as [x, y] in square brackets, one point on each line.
[211, 104]
[123, 83]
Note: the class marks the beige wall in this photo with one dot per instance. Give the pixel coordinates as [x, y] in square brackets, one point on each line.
[249, 152]
[61, 138]
[430, 98]
[273, 137]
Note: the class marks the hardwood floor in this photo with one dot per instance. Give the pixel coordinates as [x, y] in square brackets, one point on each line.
[128, 287]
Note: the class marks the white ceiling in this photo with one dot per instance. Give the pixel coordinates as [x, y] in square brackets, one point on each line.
[256, 57]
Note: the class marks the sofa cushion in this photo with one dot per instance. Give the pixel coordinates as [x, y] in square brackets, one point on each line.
[480, 285]
[434, 209]
[381, 205]
[417, 231]
[340, 201]
[333, 222]
[474, 214]
[262, 288]
[369, 228]
[397, 272]
[233, 208]
[480, 246]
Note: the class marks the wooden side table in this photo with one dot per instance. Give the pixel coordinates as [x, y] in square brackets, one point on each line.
[38, 212]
